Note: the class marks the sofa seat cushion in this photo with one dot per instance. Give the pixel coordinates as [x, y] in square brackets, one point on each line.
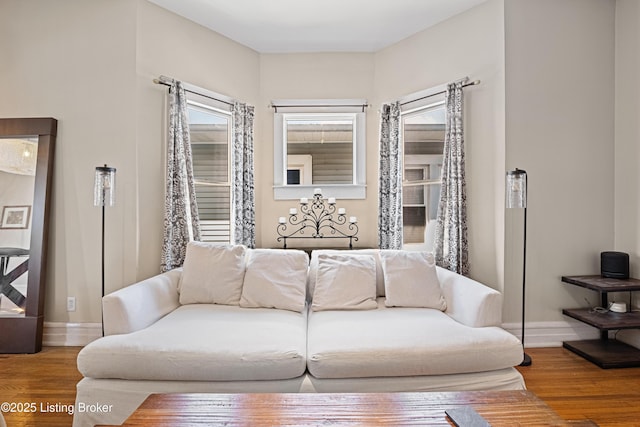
[401, 342]
[204, 342]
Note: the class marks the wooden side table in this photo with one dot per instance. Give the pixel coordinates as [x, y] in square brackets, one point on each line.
[605, 352]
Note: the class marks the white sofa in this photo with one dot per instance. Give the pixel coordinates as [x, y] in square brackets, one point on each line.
[155, 344]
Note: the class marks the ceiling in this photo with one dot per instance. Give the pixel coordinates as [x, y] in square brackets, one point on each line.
[287, 26]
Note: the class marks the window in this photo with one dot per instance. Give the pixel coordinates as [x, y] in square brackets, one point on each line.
[319, 145]
[210, 132]
[423, 145]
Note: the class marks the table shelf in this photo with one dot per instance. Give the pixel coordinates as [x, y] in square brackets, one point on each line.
[603, 284]
[605, 321]
[604, 352]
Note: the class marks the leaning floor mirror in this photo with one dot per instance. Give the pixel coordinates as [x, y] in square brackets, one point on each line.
[26, 167]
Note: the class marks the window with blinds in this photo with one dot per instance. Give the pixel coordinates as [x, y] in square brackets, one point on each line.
[210, 132]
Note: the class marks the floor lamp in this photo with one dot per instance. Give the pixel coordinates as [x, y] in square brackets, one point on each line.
[516, 197]
[104, 195]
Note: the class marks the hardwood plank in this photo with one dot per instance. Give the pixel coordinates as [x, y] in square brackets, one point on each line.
[577, 389]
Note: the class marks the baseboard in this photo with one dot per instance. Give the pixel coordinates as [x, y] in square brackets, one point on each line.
[60, 334]
[537, 334]
[552, 334]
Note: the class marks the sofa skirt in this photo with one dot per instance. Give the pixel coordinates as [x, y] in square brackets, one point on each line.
[112, 401]
[503, 379]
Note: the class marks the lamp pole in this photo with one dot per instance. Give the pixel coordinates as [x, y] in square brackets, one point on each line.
[527, 359]
[516, 197]
[103, 195]
[103, 257]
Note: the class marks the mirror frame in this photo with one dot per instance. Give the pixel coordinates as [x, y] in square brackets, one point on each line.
[24, 334]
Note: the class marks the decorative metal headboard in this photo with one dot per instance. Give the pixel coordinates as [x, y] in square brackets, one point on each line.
[318, 217]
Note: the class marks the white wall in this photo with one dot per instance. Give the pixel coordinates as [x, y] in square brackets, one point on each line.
[545, 104]
[470, 44]
[627, 140]
[559, 128]
[175, 47]
[97, 82]
[314, 76]
[627, 131]
[115, 115]
[475, 47]
[90, 65]
[75, 61]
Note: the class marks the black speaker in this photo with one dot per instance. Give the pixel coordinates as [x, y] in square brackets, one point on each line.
[614, 265]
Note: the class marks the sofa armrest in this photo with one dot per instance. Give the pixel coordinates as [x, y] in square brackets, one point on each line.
[470, 302]
[137, 306]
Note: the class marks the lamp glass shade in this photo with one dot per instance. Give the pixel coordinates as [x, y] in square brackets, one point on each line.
[104, 187]
[516, 189]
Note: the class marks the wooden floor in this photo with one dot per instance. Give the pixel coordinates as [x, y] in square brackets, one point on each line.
[44, 379]
[575, 388]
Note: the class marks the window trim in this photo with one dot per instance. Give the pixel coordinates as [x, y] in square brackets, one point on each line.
[307, 108]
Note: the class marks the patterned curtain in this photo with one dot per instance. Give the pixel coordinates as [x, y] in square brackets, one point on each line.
[390, 179]
[181, 222]
[244, 226]
[451, 245]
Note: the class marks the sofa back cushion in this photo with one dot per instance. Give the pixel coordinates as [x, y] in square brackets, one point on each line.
[345, 282]
[275, 278]
[212, 274]
[411, 280]
[313, 266]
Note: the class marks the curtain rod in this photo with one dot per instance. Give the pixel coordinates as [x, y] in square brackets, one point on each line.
[473, 83]
[161, 82]
[275, 107]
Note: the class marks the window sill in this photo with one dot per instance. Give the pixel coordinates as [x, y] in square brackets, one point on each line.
[339, 191]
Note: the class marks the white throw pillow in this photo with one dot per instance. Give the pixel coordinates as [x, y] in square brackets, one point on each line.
[275, 278]
[345, 282]
[411, 280]
[212, 274]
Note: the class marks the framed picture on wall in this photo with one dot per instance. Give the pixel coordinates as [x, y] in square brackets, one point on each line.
[15, 217]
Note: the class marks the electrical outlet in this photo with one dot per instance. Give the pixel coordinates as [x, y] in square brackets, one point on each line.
[71, 303]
